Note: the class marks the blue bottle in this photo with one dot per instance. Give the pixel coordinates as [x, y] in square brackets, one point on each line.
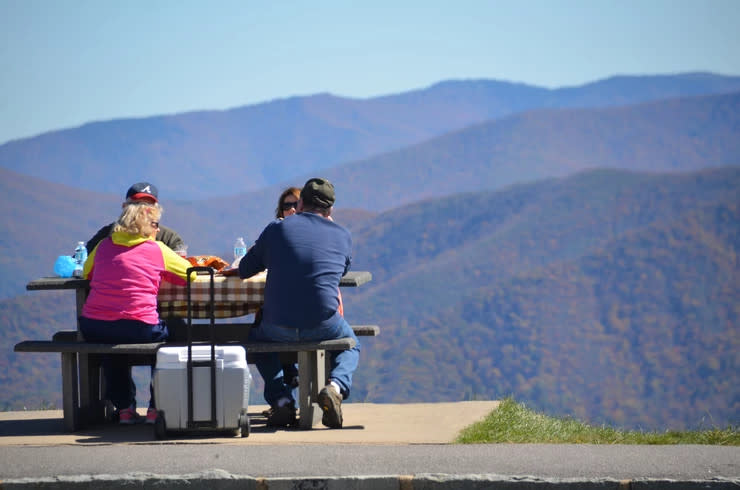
[80, 257]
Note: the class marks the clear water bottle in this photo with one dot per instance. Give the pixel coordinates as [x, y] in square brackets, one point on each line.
[240, 250]
[80, 257]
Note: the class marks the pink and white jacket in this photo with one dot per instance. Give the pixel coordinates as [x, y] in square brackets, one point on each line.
[125, 272]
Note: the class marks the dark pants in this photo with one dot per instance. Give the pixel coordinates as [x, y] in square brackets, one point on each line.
[120, 387]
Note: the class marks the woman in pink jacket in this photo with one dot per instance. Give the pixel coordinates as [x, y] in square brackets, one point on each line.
[125, 271]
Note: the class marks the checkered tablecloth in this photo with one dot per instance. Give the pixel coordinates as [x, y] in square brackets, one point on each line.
[233, 297]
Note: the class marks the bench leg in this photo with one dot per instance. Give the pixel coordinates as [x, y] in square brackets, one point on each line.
[87, 387]
[311, 376]
[70, 392]
[96, 404]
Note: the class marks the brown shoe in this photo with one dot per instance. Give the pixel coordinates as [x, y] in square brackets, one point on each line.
[331, 404]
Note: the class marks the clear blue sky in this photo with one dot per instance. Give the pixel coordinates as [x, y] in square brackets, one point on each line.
[67, 62]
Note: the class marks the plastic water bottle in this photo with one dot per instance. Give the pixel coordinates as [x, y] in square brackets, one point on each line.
[240, 250]
[80, 257]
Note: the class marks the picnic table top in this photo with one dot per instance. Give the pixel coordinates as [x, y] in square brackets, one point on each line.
[351, 279]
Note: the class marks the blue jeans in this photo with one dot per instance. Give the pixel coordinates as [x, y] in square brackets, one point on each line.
[343, 363]
[119, 384]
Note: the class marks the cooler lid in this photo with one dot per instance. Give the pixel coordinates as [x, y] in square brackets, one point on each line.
[178, 356]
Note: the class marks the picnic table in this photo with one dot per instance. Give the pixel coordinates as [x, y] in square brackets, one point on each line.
[233, 298]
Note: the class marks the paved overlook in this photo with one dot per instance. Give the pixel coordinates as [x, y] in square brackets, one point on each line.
[381, 446]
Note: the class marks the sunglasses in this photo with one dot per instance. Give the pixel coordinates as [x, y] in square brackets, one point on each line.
[288, 205]
[155, 224]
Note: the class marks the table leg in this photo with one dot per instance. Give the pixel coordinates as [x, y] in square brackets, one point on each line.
[311, 376]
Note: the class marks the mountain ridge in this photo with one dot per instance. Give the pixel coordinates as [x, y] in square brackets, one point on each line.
[209, 153]
[685, 133]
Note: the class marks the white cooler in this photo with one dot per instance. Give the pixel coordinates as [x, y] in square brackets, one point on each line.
[232, 386]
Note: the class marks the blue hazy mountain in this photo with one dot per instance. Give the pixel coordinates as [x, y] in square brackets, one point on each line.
[205, 154]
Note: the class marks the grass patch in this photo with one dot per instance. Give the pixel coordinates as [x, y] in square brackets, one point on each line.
[514, 423]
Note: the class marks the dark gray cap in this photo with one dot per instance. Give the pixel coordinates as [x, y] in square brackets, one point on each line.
[318, 192]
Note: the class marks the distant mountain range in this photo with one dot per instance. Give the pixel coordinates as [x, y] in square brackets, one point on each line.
[576, 248]
[674, 134]
[207, 154]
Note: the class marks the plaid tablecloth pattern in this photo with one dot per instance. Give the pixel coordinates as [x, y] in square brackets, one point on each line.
[233, 297]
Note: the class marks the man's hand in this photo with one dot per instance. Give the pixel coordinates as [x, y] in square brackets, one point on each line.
[229, 272]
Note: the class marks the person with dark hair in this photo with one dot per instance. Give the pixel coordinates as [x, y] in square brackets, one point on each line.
[287, 206]
[288, 202]
[125, 271]
[305, 257]
[140, 192]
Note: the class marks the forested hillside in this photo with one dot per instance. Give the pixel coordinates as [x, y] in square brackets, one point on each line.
[33, 380]
[609, 295]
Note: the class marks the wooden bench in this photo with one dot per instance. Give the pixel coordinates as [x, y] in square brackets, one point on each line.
[83, 402]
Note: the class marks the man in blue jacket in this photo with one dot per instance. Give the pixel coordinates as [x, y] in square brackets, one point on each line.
[305, 255]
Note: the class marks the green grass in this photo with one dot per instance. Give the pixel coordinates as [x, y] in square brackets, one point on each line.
[514, 423]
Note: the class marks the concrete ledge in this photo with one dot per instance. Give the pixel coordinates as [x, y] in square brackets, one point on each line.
[222, 480]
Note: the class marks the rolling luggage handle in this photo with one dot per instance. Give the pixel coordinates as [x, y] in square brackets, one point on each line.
[213, 422]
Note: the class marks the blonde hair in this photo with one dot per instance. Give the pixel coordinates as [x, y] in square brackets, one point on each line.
[136, 215]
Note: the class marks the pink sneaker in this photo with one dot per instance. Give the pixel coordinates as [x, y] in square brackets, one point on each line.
[127, 416]
[151, 416]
